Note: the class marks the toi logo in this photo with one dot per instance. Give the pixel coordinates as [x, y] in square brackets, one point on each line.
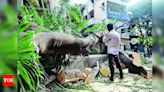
[8, 80]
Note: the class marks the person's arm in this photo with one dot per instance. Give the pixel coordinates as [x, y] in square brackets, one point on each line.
[106, 38]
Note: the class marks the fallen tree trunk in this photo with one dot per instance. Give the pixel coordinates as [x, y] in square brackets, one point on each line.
[48, 43]
[136, 69]
[125, 60]
[55, 43]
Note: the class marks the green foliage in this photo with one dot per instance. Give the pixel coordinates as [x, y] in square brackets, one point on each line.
[77, 21]
[29, 70]
[8, 47]
[95, 49]
[148, 41]
[96, 27]
[143, 39]
[137, 78]
[30, 16]
[143, 59]
[68, 19]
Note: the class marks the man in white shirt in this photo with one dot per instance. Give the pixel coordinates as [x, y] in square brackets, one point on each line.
[112, 40]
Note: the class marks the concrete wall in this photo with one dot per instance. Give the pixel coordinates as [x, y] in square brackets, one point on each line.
[88, 7]
[100, 11]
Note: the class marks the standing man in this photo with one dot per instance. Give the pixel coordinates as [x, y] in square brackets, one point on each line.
[112, 40]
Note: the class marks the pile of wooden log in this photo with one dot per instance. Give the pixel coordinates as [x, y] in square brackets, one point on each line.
[73, 75]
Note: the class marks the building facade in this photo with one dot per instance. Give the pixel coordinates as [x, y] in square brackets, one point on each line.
[101, 11]
[104, 11]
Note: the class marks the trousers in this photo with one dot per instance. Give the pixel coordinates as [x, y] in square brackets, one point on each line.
[112, 58]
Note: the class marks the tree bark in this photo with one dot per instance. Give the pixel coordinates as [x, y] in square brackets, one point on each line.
[55, 43]
[128, 62]
[49, 43]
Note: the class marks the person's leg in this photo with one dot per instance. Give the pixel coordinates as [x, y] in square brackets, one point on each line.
[118, 66]
[110, 58]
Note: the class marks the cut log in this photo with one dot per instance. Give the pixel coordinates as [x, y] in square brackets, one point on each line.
[125, 59]
[104, 70]
[89, 80]
[137, 59]
[71, 75]
[93, 74]
[87, 71]
[149, 73]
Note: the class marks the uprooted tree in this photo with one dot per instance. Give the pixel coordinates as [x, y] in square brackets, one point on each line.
[54, 44]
